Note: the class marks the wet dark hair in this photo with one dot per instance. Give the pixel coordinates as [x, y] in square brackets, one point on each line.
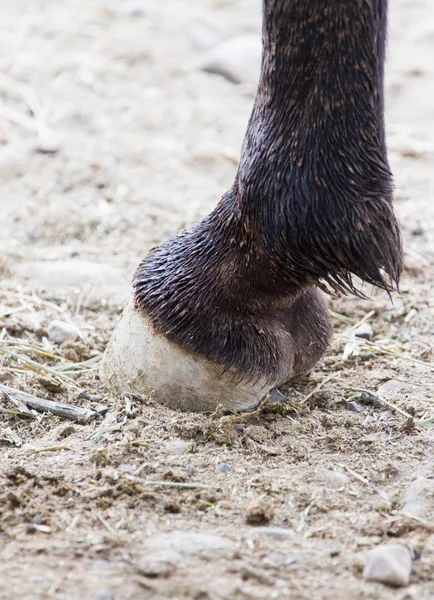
[311, 204]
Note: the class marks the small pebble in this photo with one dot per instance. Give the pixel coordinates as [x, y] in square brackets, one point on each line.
[160, 564]
[390, 564]
[223, 467]
[276, 533]
[48, 143]
[364, 331]
[177, 446]
[335, 479]
[391, 386]
[354, 407]
[276, 397]
[104, 594]
[418, 230]
[366, 399]
[60, 331]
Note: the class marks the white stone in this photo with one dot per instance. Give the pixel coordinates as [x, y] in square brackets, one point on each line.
[177, 446]
[276, 533]
[390, 564]
[391, 386]
[60, 331]
[364, 331]
[335, 479]
[48, 142]
[159, 564]
[237, 59]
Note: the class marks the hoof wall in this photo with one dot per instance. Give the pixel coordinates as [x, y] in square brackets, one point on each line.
[141, 361]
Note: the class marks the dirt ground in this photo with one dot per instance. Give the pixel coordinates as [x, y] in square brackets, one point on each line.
[112, 139]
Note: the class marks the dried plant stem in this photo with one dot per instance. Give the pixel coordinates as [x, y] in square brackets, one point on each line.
[365, 482]
[175, 484]
[318, 387]
[356, 325]
[64, 411]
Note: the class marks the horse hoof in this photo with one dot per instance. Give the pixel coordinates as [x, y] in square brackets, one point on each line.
[140, 360]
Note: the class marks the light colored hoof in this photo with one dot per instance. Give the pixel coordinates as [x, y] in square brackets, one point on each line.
[139, 360]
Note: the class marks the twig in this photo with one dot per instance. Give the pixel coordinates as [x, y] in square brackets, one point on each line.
[15, 413]
[37, 367]
[341, 318]
[187, 486]
[64, 411]
[54, 448]
[33, 297]
[423, 422]
[399, 356]
[89, 364]
[107, 525]
[38, 350]
[21, 408]
[365, 482]
[29, 96]
[257, 410]
[356, 325]
[318, 387]
[423, 261]
[429, 526]
[16, 117]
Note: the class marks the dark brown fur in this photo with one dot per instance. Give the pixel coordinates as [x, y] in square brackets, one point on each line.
[311, 202]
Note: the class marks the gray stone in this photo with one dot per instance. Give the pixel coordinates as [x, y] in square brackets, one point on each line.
[188, 543]
[334, 479]
[276, 533]
[354, 407]
[177, 446]
[276, 397]
[390, 564]
[237, 59]
[48, 142]
[159, 564]
[223, 467]
[364, 331]
[60, 331]
[419, 497]
[391, 386]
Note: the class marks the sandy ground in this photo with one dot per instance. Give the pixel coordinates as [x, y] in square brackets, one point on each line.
[111, 139]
